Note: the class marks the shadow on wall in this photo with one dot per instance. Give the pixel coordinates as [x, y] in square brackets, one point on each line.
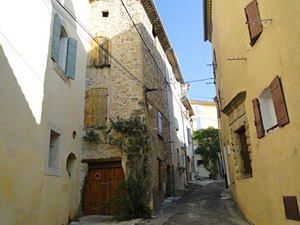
[25, 190]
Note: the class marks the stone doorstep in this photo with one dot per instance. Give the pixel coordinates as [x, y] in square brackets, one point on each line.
[226, 194]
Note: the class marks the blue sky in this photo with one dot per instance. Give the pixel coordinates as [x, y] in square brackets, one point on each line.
[183, 22]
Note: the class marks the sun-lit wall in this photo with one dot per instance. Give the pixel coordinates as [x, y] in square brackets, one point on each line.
[35, 100]
[243, 72]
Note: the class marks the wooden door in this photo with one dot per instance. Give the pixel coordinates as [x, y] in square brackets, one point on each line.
[101, 183]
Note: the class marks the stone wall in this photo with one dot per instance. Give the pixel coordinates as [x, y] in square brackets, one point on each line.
[125, 86]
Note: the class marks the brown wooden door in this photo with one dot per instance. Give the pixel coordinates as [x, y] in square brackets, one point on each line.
[100, 186]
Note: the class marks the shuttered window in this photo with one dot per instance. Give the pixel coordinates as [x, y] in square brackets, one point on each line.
[99, 56]
[63, 49]
[279, 108]
[96, 107]
[279, 102]
[254, 21]
[258, 119]
[291, 208]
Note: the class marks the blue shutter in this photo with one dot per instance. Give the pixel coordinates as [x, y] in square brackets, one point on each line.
[71, 58]
[55, 38]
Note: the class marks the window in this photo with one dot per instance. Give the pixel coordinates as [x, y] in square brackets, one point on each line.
[198, 120]
[99, 56]
[95, 107]
[291, 208]
[244, 151]
[190, 137]
[105, 13]
[270, 109]
[198, 108]
[176, 124]
[53, 153]
[159, 123]
[63, 50]
[253, 21]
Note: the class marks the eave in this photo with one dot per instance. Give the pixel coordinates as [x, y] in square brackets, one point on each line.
[158, 27]
[207, 22]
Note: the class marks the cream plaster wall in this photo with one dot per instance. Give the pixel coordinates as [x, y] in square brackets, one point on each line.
[33, 96]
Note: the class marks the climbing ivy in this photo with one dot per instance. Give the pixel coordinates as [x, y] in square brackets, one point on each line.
[132, 197]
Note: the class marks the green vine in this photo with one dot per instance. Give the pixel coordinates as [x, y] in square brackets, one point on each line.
[132, 199]
[91, 136]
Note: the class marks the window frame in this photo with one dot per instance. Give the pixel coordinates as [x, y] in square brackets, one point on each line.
[48, 169]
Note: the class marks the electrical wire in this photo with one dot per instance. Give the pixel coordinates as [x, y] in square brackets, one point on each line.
[148, 49]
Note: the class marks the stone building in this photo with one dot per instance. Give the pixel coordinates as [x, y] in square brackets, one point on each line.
[42, 83]
[256, 66]
[127, 77]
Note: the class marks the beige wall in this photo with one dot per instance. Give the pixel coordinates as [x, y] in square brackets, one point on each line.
[275, 157]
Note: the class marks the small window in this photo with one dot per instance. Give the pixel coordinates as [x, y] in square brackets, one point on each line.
[63, 50]
[198, 108]
[53, 153]
[190, 137]
[253, 20]
[105, 13]
[159, 123]
[176, 124]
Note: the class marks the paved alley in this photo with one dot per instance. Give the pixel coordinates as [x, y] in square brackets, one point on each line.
[200, 207]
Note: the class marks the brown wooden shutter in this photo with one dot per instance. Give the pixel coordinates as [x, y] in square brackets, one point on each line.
[96, 107]
[253, 20]
[279, 102]
[291, 207]
[258, 119]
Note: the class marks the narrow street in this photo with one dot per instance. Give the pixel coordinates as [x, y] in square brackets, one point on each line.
[203, 206]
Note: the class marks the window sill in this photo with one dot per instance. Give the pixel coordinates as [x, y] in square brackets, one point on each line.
[52, 172]
[60, 72]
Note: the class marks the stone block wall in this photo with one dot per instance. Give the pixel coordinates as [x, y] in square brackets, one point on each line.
[125, 86]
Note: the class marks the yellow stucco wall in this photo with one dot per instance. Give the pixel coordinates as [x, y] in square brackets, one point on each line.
[33, 99]
[275, 157]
